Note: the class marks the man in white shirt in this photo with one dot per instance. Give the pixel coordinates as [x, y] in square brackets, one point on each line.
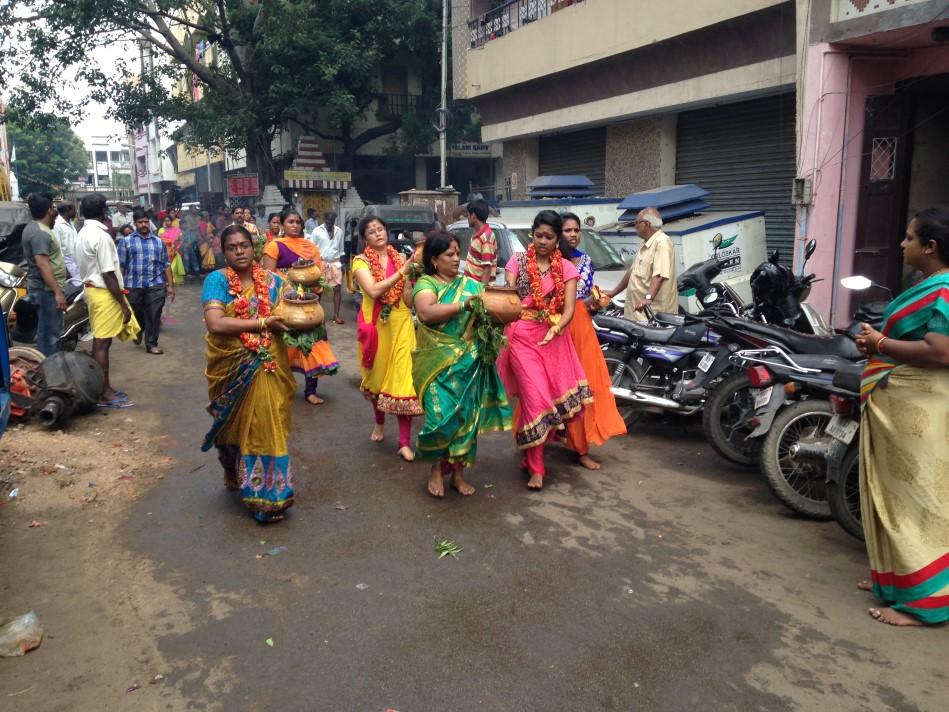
[121, 217]
[329, 239]
[66, 234]
[109, 312]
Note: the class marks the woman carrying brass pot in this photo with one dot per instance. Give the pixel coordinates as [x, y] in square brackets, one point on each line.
[280, 254]
[453, 370]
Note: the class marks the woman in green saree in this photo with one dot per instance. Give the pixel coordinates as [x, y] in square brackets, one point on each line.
[454, 376]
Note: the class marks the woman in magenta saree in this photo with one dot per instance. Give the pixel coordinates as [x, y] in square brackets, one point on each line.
[539, 366]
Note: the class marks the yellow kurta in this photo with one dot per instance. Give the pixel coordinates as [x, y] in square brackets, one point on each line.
[389, 381]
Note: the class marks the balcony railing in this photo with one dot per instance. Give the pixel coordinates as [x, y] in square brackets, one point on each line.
[398, 104]
[510, 16]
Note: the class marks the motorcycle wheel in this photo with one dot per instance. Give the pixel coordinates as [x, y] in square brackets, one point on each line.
[843, 496]
[625, 374]
[726, 420]
[800, 485]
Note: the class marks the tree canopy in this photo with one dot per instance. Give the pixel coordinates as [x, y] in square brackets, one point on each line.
[49, 154]
[256, 65]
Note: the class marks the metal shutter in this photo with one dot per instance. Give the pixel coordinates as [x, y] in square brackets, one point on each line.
[745, 155]
[580, 153]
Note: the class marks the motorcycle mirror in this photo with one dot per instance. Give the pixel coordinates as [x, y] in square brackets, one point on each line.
[717, 240]
[857, 282]
[809, 249]
[775, 257]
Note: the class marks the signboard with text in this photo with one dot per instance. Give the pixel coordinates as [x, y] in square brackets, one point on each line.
[316, 175]
[243, 186]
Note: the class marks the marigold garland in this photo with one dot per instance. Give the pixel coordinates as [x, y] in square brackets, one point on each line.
[392, 296]
[259, 308]
[547, 309]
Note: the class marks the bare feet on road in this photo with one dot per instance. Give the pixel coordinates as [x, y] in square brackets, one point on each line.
[588, 462]
[378, 433]
[536, 482]
[459, 483]
[891, 617]
[407, 454]
[864, 585]
[436, 483]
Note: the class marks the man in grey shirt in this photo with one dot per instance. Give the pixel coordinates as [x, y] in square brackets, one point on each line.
[46, 272]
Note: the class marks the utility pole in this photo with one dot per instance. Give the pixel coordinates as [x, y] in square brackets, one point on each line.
[443, 119]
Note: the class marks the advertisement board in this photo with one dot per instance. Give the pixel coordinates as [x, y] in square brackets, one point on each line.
[243, 186]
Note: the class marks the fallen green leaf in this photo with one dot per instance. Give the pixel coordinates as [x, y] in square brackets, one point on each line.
[269, 642]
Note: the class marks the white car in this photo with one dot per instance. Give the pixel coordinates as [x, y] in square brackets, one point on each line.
[514, 237]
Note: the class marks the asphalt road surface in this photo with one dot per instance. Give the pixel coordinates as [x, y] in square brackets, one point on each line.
[668, 580]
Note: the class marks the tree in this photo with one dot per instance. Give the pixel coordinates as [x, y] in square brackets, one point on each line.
[49, 154]
[258, 65]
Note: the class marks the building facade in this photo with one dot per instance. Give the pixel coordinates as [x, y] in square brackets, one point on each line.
[827, 114]
[874, 142]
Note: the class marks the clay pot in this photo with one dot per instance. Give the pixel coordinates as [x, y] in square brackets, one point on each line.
[305, 272]
[502, 304]
[300, 313]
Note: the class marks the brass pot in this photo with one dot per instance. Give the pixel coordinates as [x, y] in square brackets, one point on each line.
[300, 313]
[502, 304]
[305, 272]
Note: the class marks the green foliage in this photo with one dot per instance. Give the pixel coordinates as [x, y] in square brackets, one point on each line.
[49, 154]
[488, 336]
[270, 63]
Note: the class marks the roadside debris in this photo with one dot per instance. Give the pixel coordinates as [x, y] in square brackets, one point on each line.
[362, 586]
[133, 688]
[446, 547]
[269, 642]
[155, 680]
[37, 523]
[14, 493]
[20, 635]
[272, 552]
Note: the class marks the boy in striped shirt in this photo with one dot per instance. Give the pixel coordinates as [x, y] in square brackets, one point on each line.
[482, 261]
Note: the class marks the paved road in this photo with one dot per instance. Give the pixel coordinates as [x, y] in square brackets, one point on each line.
[666, 581]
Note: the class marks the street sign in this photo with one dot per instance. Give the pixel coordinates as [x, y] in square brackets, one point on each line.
[243, 186]
[317, 175]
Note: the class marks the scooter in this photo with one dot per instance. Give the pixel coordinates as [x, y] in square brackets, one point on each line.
[22, 319]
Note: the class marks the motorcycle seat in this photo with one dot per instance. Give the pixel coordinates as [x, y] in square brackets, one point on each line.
[849, 377]
[690, 334]
[821, 361]
[670, 319]
[623, 326]
[799, 343]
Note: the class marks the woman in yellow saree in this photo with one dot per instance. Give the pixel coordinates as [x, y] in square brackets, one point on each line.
[455, 377]
[904, 437]
[250, 385]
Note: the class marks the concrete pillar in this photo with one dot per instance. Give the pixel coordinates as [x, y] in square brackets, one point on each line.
[421, 173]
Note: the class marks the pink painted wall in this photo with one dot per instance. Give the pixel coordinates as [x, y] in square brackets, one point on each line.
[836, 84]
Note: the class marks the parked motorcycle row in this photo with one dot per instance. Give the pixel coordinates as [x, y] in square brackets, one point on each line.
[21, 313]
[776, 387]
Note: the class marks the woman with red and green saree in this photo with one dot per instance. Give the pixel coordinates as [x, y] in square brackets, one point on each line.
[249, 380]
[904, 437]
[453, 370]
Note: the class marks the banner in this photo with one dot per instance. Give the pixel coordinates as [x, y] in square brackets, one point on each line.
[243, 186]
[317, 175]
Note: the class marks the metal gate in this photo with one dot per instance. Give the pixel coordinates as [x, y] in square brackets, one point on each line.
[744, 154]
[580, 153]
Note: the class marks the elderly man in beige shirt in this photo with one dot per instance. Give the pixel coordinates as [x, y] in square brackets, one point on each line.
[651, 279]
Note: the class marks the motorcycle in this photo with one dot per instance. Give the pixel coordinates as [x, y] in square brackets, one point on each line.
[779, 296]
[795, 421]
[22, 319]
[843, 466]
[727, 417]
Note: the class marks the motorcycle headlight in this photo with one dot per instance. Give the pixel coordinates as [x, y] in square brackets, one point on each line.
[710, 298]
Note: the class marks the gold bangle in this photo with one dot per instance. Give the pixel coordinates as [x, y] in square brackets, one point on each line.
[879, 345]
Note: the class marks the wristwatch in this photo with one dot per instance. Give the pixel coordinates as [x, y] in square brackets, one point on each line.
[649, 297]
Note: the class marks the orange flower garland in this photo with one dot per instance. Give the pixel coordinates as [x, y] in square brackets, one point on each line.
[258, 344]
[555, 305]
[394, 293]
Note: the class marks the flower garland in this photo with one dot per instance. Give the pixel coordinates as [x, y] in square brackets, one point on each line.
[551, 310]
[258, 344]
[391, 297]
